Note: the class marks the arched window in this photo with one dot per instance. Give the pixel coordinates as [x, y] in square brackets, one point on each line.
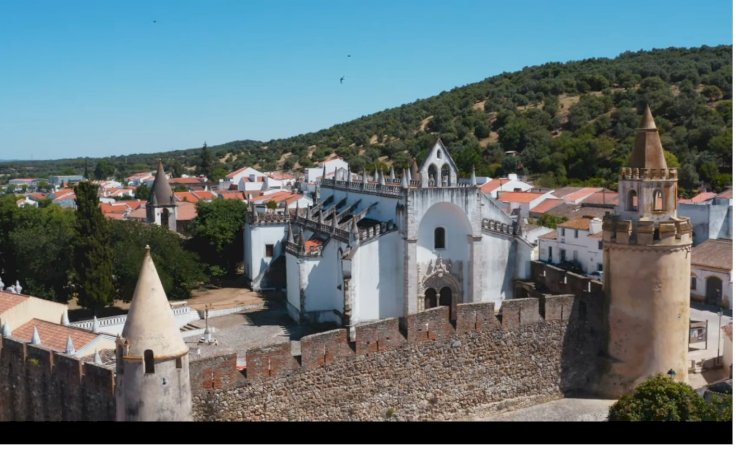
[439, 154]
[432, 174]
[632, 200]
[148, 361]
[165, 217]
[445, 175]
[439, 238]
[658, 201]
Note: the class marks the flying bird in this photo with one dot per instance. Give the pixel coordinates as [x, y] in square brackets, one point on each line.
[341, 80]
[154, 21]
[348, 55]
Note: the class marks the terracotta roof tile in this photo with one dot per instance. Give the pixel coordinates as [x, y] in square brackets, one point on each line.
[519, 197]
[10, 300]
[53, 335]
[186, 211]
[546, 205]
[581, 224]
[185, 180]
[493, 184]
[186, 197]
[700, 198]
[230, 195]
[552, 235]
[713, 253]
[726, 194]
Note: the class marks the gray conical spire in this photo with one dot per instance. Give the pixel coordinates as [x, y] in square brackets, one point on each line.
[35, 339]
[289, 233]
[375, 176]
[95, 325]
[69, 348]
[381, 179]
[97, 358]
[6, 330]
[65, 320]
[473, 177]
[393, 173]
[404, 180]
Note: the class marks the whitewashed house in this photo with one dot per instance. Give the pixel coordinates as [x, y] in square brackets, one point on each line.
[578, 241]
[711, 277]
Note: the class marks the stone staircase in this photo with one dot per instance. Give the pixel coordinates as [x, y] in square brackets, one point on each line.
[190, 327]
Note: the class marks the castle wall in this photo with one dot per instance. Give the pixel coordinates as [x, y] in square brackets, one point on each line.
[377, 279]
[37, 384]
[419, 367]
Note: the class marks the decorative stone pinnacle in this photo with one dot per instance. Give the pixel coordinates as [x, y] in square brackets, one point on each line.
[97, 358]
[69, 348]
[35, 339]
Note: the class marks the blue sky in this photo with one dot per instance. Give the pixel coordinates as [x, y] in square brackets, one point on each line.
[96, 78]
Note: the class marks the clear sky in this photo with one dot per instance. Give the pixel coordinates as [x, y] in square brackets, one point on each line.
[97, 78]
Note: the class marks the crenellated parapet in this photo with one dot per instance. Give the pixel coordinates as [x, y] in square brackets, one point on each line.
[491, 225]
[674, 232]
[252, 217]
[631, 173]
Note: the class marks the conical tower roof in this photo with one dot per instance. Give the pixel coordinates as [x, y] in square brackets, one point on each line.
[150, 323]
[647, 152]
[161, 192]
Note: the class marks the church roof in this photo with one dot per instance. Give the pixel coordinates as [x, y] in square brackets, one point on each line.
[161, 192]
[150, 323]
[647, 152]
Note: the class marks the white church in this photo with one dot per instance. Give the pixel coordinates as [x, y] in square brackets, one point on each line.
[379, 247]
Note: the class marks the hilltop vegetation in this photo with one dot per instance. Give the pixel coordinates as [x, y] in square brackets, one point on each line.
[570, 123]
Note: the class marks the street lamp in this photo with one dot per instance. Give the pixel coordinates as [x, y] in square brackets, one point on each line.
[671, 373]
[718, 342]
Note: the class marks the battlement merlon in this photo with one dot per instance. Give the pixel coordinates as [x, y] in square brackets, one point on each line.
[639, 173]
[676, 231]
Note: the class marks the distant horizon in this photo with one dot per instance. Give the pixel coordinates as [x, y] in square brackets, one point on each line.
[101, 80]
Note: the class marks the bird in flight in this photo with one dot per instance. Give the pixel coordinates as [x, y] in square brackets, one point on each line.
[154, 21]
[341, 80]
[348, 55]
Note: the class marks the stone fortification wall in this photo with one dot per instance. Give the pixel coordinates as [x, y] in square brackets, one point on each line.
[37, 384]
[422, 367]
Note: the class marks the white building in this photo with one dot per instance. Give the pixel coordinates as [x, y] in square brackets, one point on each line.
[521, 203]
[578, 241]
[711, 279]
[387, 247]
[505, 184]
[710, 214]
[235, 177]
[324, 169]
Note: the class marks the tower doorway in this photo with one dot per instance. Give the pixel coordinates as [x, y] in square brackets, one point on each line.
[446, 299]
[713, 290]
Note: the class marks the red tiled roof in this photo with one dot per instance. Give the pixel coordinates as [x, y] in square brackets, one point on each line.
[138, 213]
[133, 204]
[552, 235]
[117, 216]
[185, 180]
[234, 173]
[581, 224]
[546, 205]
[581, 194]
[519, 197]
[186, 211]
[726, 194]
[493, 184]
[280, 175]
[53, 335]
[228, 195]
[700, 198]
[114, 208]
[38, 196]
[10, 300]
[278, 197]
[189, 197]
[203, 194]
[713, 253]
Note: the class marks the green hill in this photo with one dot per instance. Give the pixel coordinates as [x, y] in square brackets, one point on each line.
[569, 123]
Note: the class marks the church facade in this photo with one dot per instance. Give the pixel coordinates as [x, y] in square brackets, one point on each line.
[382, 246]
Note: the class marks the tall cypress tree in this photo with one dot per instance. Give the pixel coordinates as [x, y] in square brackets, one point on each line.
[206, 163]
[92, 258]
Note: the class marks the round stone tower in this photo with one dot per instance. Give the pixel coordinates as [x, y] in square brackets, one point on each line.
[153, 372]
[646, 270]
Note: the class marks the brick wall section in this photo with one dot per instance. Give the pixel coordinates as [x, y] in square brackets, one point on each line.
[324, 348]
[519, 312]
[375, 337]
[271, 361]
[37, 384]
[217, 372]
[429, 325]
[476, 317]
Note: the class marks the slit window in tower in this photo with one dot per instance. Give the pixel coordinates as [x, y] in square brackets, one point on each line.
[148, 361]
[632, 200]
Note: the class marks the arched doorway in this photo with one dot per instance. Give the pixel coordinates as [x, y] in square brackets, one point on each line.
[432, 176]
[445, 175]
[713, 290]
[446, 299]
[430, 298]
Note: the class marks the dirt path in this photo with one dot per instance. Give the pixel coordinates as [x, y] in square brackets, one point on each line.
[223, 298]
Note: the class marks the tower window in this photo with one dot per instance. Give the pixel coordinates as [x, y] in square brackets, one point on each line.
[658, 201]
[148, 361]
[693, 282]
[439, 238]
[632, 200]
[178, 362]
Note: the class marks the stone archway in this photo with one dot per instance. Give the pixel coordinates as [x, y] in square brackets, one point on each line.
[446, 287]
[430, 298]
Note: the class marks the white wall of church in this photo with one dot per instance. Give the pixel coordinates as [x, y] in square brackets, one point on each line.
[385, 209]
[377, 279]
[256, 238]
[321, 278]
[495, 269]
[293, 283]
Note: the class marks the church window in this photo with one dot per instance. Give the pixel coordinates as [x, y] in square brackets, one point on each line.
[439, 238]
[632, 200]
[148, 361]
[269, 250]
[658, 201]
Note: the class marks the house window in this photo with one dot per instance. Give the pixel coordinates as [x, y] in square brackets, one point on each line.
[549, 253]
[600, 247]
[575, 255]
[269, 250]
[148, 361]
[693, 283]
[439, 238]
[562, 232]
[599, 267]
[575, 233]
[562, 255]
